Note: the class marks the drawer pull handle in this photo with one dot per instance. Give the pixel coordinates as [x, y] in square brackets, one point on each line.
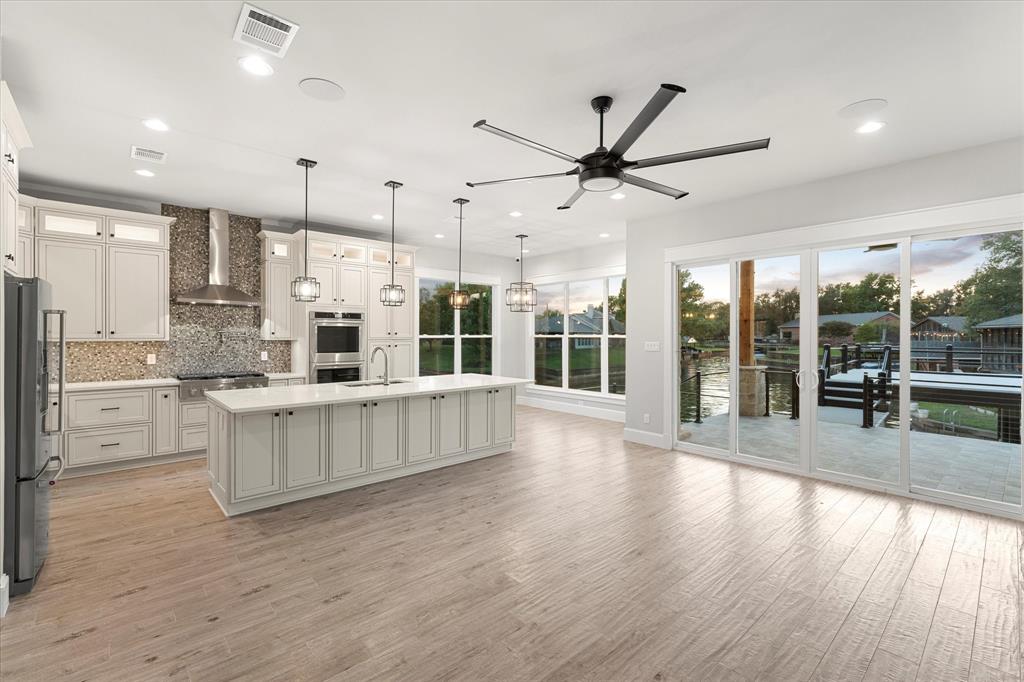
[105, 409]
[109, 445]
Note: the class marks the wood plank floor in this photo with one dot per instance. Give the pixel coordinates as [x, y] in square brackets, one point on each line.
[576, 556]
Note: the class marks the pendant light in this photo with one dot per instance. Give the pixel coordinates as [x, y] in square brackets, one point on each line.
[306, 289]
[521, 297]
[392, 294]
[458, 299]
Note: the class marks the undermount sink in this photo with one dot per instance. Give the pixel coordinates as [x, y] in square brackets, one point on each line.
[375, 382]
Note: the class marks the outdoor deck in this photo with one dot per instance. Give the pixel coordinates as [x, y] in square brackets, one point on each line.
[968, 466]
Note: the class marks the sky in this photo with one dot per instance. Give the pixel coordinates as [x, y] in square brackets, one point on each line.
[935, 265]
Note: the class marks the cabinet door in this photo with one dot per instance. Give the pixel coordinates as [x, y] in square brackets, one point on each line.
[257, 455]
[96, 446]
[9, 224]
[277, 295]
[378, 314]
[55, 223]
[451, 429]
[327, 275]
[421, 420]
[107, 408]
[478, 419]
[352, 285]
[24, 217]
[23, 255]
[323, 249]
[165, 421]
[75, 272]
[401, 359]
[305, 453]
[385, 434]
[503, 400]
[136, 293]
[352, 253]
[135, 232]
[402, 316]
[348, 439]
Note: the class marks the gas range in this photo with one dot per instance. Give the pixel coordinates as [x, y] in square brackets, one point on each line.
[193, 387]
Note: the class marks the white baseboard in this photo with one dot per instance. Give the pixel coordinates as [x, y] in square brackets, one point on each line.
[572, 406]
[4, 597]
[656, 440]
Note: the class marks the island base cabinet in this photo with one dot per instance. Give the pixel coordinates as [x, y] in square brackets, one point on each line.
[503, 410]
[451, 425]
[258, 458]
[305, 456]
[349, 442]
[421, 444]
[386, 434]
[478, 419]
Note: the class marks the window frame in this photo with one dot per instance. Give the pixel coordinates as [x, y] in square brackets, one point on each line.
[603, 274]
[475, 279]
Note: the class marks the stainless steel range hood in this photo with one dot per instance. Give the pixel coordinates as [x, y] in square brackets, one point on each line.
[218, 291]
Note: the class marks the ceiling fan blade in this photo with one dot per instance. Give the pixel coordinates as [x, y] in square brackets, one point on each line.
[699, 154]
[653, 186]
[665, 94]
[574, 171]
[484, 125]
[572, 200]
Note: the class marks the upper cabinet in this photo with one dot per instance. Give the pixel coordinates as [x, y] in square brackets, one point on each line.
[136, 278]
[9, 219]
[390, 321]
[278, 271]
[336, 248]
[52, 222]
[13, 139]
[382, 256]
[75, 273]
[136, 232]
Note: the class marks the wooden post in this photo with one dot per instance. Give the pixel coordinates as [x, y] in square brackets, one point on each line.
[746, 313]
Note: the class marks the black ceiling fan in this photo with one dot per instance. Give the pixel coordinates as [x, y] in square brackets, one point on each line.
[603, 169]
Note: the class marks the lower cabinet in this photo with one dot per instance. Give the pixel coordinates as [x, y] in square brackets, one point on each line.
[386, 434]
[109, 444]
[165, 421]
[451, 427]
[503, 410]
[349, 442]
[259, 436]
[421, 428]
[478, 422]
[305, 452]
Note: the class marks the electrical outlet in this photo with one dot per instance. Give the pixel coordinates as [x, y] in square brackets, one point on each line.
[150, 358]
[647, 418]
[652, 346]
[264, 356]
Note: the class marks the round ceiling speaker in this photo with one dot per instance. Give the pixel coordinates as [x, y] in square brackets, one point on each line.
[322, 89]
[864, 109]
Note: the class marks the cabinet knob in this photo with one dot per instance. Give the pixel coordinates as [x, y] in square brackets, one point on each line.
[112, 331]
[442, 397]
[277, 414]
[165, 398]
[433, 397]
[375, 404]
[9, 256]
[98, 331]
[111, 234]
[290, 413]
[99, 234]
[9, 157]
[335, 300]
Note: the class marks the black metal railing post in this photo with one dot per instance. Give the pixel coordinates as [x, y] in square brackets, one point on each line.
[845, 357]
[949, 357]
[794, 397]
[767, 395]
[867, 418]
[856, 355]
[821, 386]
[696, 387]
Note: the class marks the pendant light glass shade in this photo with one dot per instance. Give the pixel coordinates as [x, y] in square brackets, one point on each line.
[305, 289]
[458, 299]
[521, 297]
[392, 294]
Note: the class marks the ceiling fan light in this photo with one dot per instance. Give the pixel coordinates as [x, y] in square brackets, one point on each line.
[305, 289]
[458, 299]
[392, 295]
[601, 179]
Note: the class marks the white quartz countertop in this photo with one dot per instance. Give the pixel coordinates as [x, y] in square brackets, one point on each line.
[310, 395]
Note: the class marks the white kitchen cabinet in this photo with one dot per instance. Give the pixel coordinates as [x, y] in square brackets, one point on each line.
[11, 154]
[259, 437]
[107, 408]
[75, 272]
[349, 441]
[386, 434]
[277, 307]
[9, 224]
[277, 382]
[135, 232]
[96, 446]
[323, 248]
[382, 256]
[351, 252]
[478, 419]
[24, 255]
[297, 381]
[390, 321]
[165, 421]
[25, 213]
[503, 410]
[402, 316]
[193, 413]
[305, 452]
[327, 275]
[193, 438]
[400, 357]
[53, 222]
[421, 428]
[352, 285]
[137, 299]
[451, 427]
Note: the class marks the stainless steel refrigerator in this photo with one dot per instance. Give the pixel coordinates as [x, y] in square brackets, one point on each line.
[33, 344]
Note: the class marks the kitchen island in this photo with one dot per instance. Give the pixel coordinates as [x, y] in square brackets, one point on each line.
[269, 446]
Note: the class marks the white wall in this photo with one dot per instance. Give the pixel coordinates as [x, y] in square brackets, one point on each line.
[990, 170]
[598, 256]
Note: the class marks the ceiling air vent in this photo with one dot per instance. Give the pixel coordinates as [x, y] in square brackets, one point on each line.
[264, 31]
[146, 154]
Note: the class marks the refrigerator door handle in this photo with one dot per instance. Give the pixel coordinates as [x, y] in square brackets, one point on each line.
[61, 466]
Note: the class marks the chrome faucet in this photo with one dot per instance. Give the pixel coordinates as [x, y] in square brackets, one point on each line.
[373, 355]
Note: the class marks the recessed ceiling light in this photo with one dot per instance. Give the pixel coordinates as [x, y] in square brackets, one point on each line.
[438, 236]
[377, 216]
[257, 66]
[515, 214]
[156, 124]
[322, 89]
[145, 173]
[617, 196]
[864, 109]
[604, 235]
[870, 127]
[526, 251]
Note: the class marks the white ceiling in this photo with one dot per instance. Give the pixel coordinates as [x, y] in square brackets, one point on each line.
[419, 74]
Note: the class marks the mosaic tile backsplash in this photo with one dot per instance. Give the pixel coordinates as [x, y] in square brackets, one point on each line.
[202, 338]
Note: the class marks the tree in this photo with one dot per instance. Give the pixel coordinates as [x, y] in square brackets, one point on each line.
[617, 303]
[777, 307]
[703, 320]
[835, 329]
[874, 292]
[994, 290]
[876, 332]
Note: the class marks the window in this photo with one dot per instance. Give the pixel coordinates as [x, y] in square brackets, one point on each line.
[579, 331]
[455, 341]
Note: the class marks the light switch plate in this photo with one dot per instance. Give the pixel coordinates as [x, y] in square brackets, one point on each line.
[264, 356]
[652, 346]
[150, 358]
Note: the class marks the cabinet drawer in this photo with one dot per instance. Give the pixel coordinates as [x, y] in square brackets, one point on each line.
[103, 409]
[194, 414]
[192, 438]
[108, 445]
[278, 382]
